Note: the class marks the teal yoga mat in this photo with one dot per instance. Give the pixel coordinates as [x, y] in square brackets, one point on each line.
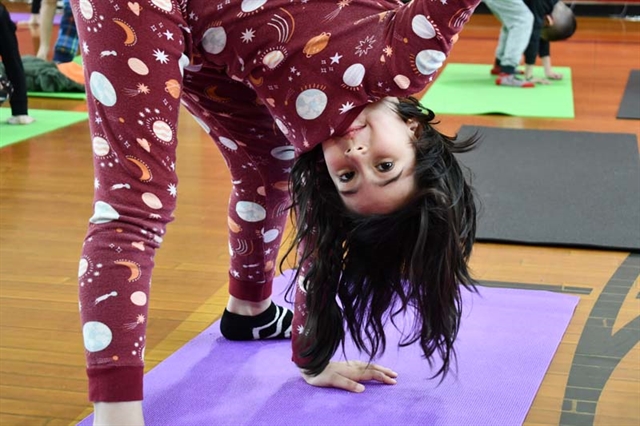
[46, 121]
[470, 89]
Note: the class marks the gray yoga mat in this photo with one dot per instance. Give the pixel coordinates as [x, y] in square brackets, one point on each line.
[556, 188]
[630, 105]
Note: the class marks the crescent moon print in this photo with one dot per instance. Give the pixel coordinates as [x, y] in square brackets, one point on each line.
[134, 268]
[210, 92]
[146, 175]
[257, 82]
[285, 30]
[131, 37]
[244, 247]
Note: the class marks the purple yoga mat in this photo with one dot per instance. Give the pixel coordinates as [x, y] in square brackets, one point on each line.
[506, 342]
[19, 17]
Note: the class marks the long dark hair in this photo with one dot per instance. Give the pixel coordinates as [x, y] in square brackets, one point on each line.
[361, 271]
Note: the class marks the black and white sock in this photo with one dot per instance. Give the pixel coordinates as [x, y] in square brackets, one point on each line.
[274, 323]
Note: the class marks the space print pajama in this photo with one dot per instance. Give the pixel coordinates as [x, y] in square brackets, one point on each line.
[267, 79]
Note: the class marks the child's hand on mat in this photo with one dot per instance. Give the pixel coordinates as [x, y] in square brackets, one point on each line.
[347, 375]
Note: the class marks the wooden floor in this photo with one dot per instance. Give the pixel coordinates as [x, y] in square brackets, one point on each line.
[45, 201]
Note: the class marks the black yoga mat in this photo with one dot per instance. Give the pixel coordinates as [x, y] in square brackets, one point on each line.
[630, 105]
[556, 188]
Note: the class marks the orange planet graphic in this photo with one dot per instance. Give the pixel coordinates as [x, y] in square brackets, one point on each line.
[316, 44]
[172, 87]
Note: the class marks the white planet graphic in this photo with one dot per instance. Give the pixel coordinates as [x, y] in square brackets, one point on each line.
[284, 153]
[102, 89]
[270, 235]
[250, 212]
[428, 61]
[228, 143]
[152, 200]
[162, 131]
[353, 75]
[100, 146]
[97, 336]
[422, 27]
[138, 66]
[103, 213]
[82, 267]
[139, 298]
[251, 5]
[214, 40]
[86, 9]
[311, 103]
[282, 127]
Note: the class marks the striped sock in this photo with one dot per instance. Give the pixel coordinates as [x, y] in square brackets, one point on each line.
[274, 323]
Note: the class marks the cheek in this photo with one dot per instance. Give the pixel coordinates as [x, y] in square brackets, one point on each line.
[332, 159]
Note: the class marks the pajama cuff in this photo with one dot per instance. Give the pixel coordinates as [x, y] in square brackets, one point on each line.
[245, 290]
[115, 384]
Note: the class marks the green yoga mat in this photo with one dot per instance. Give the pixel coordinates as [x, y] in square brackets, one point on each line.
[470, 89]
[46, 121]
[59, 95]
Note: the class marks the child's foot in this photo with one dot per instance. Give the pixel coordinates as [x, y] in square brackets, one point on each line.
[496, 70]
[274, 323]
[513, 81]
[20, 119]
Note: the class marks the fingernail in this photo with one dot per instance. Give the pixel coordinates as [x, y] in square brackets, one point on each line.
[360, 388]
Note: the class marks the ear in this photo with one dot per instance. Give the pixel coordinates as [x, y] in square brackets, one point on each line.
[412, 124]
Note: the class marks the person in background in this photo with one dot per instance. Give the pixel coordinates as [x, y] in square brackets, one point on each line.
[13, 85]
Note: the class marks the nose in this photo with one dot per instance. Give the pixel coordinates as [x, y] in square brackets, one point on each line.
[356, 149]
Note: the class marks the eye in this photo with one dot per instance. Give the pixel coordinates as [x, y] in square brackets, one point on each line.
[346, 177]
[385, 166]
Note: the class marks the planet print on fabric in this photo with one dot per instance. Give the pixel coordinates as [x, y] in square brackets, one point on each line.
[311, 103]
[270, 235]
[103, 213]
[137, 66]
[163, 4]
[283, 153]
[102, 89]
[402, 81]
[152, 200]
[214, 40]
[250, 212]
[251, 5]
[97, 336]
[100, 146]
[428, 61]
[422, 27]
[273, 59]
[228, 143]
[316, 44]
[86, 9]
[162, 131]
[283, 128]
[354, 75]
[138, 298]
[83, 266]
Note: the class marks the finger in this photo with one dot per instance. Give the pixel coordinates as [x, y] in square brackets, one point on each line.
[389, 372]
[378, 376]
[342, 382]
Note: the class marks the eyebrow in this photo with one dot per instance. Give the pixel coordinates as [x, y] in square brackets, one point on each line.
[381, 184]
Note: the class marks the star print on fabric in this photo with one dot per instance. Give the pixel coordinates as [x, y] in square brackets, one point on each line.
[85, 47]
[235, 273]
[346, 107]
[160, 56]
[365, 45]
[335, 59]
[247, 35]
[168, 34]
[173, 190]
